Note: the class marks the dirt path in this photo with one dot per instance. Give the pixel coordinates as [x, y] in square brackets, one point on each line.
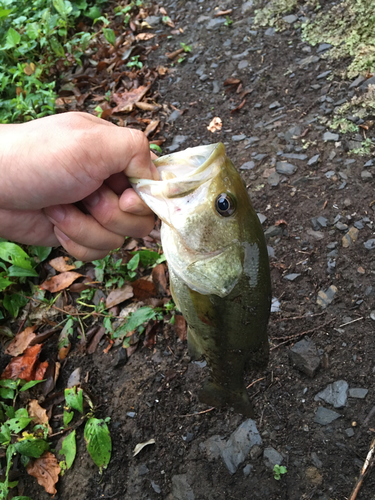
[310, 193]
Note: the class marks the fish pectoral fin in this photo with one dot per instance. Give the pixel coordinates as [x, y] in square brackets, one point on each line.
[213, 394]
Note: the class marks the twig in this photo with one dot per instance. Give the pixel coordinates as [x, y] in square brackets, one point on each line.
[255, 381]
[291, 337]
[298, 317]
[350, 322]
[198, 413]
[369, 462]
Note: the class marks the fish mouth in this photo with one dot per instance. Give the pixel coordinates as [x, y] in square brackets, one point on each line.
[183, 172]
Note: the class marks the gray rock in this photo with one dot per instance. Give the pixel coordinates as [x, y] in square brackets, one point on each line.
[247, 469]
[323, 47]
[323, 75]
[248, 165]
[358, 393]
[285, 168]
[370, 244]
[177, 141]
[316, 461]
[366, 83]
[273, 231]
[270, 32]
[153, 20]
[155, 487]
[330, 174]
[366, 176]
[237, 138]
[173, 116]
[274, 105]
[181, 489]
[252, 140]
[326, 297]
[323, 416]
[273, 179]
[341, 226]
[335, 394]
[357, 81]
[292, 132]
[349, 432]
[294, 156]
[317, 235]
[215, 23]
[304, 356]
[262, 218]
[272, 457]
[216, 87]
[329, 136]
[213, 447]
[292, 276]
[243, 64]
[369, 163]
[143, 469]
[290, 19]
[308, 60]
[239, 444]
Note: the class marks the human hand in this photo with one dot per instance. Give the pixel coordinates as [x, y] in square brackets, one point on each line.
[49, 165]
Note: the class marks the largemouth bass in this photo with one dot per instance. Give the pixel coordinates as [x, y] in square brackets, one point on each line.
[218, 265]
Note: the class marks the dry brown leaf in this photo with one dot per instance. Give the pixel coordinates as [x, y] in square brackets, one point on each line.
[172, 55]
[162, 70]
[27, 367]
[180, 327]
[62, 264]
[46, 470]
[60, 282]
[151, 127]
[147, 106]
[29, 69]
[95, 340]
[119, 295]
[240, 106]
[64, 351]
[215, 124]
[232, 81]
[38, 414]
[143, 289]
[144, 36]
[160, 280]
[223, 12]
[125, 101]
[21, 341]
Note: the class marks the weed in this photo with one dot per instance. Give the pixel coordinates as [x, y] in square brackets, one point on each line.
[135, 63]
[278, 471]
[228, 21]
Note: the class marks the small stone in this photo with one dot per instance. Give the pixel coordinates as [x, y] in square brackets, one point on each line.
[325, 298]
[273, 231]
[372, 315]
[181, 489]
[360, 270]
[247, 6]
[213, 447]
[262, 218]
[313, 476]
[257, 105]
[317, 235]
[255, 452]
[237, 138]
[131, 414]
[274, 105]
[304, 356]
[370, 244]
[177, 141]
[143, 469]
[248, 165]
[290, 19]
[251, 140]
[292, 133]
[349, 432]
[155, 487]
[323, 47]
[335, 394]
[341, 226]
[323, 75]
[357, 81]
[247, 469]
[294, 156]
[270, 32]
[308, 60]
[323, 416]
[243, 64]
[366, 83]
[215, 23]
[285, 168]
[366, 175]
[358, 393]
[273, 179]
[272, 457]
[292, 276]
[174, 116]
[322, 221]
[313, 160]
[329, 136]
[216, 87]
[316, 461]
[369, 163]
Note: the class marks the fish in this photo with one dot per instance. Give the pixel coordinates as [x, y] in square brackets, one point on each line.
[218, 266]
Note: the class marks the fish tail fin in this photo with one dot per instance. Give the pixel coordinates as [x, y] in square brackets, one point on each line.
[214, 394]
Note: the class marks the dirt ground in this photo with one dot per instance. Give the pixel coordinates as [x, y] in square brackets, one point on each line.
[154, 395]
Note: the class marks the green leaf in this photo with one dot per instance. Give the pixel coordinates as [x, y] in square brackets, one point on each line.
[63, 7]
[148, 257]
[17, 425]
[57, 47]
[69, 449]
[41, 252]
[4, 13]
[155, 147]
[32, 30]
[93, 13]
[109, 35]
[12, 303]
[98, 440]
[31, 447]
[4, 283]
[20, 272]
[67, 417]
[13, 38]
[21, 498]
[4, 434]
[134, 262]
[139, 317]
[21, 412]
[8, 383]
[65, 332]
[74, 399]
[12, 253]
[6, 393]
[31, 384]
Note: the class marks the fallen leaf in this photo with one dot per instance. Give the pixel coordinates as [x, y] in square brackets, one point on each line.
[172, 55]
[239, 106]
[143, 289]
[21, 341]
[27, 367]
[29, 69]
[64, 351]
[38, 414]
[215, 124]
[140, 446]
[119, 295]
[46, 470]
[150, 334]
[162, 70]
[223, 12]
[147, 106]
[145, 36]
[180, 327]
[62, 264]
[160, 280]
[60, 282]
[95, 340]
[151, 127]
[125, 101]
[232, 81]
[281, 222]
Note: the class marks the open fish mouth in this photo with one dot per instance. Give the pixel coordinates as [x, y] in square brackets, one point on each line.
[182, 173]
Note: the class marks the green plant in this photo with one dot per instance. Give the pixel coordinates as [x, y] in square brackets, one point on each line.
[228, 21]
[134, 63]
[156, 148]
[278, 471]
[187, 48]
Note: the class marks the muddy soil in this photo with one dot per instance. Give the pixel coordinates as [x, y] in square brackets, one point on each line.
[154, 395]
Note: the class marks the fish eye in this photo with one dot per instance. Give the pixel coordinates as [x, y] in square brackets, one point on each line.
[225, 205]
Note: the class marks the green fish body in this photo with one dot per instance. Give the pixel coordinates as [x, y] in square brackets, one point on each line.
[218, 264]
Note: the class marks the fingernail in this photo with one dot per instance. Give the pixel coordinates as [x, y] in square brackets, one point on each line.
[60, 235]
[92, 199]
[56, 214]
